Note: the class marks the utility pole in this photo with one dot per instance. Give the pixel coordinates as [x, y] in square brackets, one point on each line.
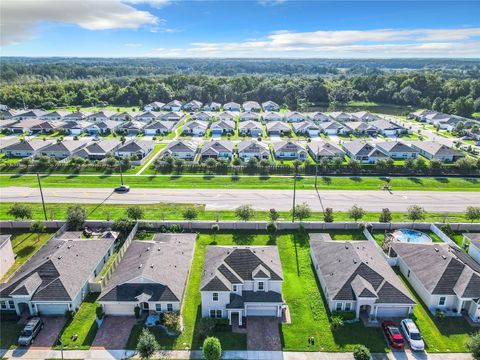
[294, 193]
[41, 194]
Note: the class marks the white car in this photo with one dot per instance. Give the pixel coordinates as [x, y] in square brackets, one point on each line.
[412, 335]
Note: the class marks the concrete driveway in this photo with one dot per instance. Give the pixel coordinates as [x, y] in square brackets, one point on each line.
[114, 332]
[263, 334]
[52, 326]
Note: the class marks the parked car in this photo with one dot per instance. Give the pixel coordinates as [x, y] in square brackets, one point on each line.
[412, 335]
[393, 334]
[30, 331]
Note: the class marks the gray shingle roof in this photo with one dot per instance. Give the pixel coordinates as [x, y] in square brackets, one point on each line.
[395, 146]
[165, 262]
[435, 148]
[238, 302]
[181, 146]
[325, 148]
[31, 145]
[215, 146]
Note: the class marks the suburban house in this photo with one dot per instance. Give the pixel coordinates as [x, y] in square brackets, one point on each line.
[278, 128]
[249, 106]
[173, 105]
[101, 116]
[125, 116]
[154, 106]
[148, 116]
[473, 240]
[104, 127]
[135, 148]
[446, 280]
[193, 105]
[360, 128]
[159, 128]
[25, 125]
[231, 106]
[180, 149]
[251, 128]
[152, 276]
[133, 127]
[289, 150]
[319, 117]
[241, 281]
[7, 258]
[272, 116]
[332, 128]
[5, 142]
[270, 106]
[172, 116]
[222, 127]
[248, 149]
[47, 127]
[26, 148]
[355, 277]
[62, 149]
[388, 128]
[294, 116]
[397, 150]
[365, 116]
[203, 115]
[195, 128]
[362, 151]
[213, 106]
[249, 116]
[217, 149]
[340, 116]
[307, 128]
[226, 115]
[98, 150]
[77, 116]
[436, 150]
[56, 278]
[77, 127]
[8, 114]
[29, 114]
[324, 150]
[54, 115]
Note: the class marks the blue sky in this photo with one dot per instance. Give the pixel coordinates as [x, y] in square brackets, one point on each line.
[263, 28]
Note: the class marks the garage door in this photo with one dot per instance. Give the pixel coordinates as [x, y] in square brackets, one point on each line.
[52, 309]
[261, 311]
[217, 132]
[119, 309]
[390, 312]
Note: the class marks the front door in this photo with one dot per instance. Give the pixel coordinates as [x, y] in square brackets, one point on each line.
[145, 306]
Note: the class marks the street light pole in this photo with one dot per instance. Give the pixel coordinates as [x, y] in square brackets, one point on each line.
[41, 194]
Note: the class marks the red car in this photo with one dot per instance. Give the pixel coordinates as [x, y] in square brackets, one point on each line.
[393, 334]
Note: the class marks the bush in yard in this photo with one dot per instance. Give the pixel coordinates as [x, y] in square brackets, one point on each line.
[271, 228]
[356, 212]
[147, 345]
[136, 311]
[385, 216]
[328, 215]
[447, 230]
[361, 352]
[273, 215]
[99, 312]
[336, 322]
[215, 229]
[344, 315]
[76, 216]
[20, 211]
[473, 345]
[212, 349]
[301, 211]
[135, 213]
[190, 214]
[244, 212]
[472, 213]
[171, 320]
[206, 327]
[415, 212]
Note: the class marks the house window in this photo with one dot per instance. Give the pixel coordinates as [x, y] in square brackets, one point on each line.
[442, 301]
[11, 304]
[215, 314]
[215, 296]
[3, 305]
[219, 313]
[169, 307]
[338, 306]
[212, 313]
[261, 285]
[348, 306]
[234, 288]
[158, 307]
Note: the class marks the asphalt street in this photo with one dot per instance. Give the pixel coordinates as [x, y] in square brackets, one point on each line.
[228, 199]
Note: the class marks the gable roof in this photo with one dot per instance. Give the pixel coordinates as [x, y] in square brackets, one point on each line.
[288, 146]
[252, 146]
[395, 146]
[31, 145]
[181, 145]
[101, 147]
[196, 123]
[249, 124]
[216, 146]
[324, 148]
[436, 149]
[136, 145]
[65, 145]
[277, 126]
[223, 124]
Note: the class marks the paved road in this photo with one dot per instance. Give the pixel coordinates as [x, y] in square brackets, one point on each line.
[228, 199]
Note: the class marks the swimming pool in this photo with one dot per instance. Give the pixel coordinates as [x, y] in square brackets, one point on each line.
[411, 236]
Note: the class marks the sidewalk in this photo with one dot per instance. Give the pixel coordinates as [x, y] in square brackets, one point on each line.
[41, 354]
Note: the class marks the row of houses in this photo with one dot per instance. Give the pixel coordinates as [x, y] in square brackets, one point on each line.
[238, 282]
[90, 150]
[441, 120]
[196, 105]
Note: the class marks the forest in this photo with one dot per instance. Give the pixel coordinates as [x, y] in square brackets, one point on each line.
[450, 86]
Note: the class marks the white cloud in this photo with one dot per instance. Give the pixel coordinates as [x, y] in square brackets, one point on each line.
[19, 17]
[134, 45]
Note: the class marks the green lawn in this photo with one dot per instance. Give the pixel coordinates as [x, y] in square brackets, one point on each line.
[447, 335]
[82, 325]
[10, 331]
[25, 245]
[244, 182]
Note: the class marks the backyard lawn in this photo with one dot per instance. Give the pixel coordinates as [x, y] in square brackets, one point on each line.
[25, 245]
[10, 331]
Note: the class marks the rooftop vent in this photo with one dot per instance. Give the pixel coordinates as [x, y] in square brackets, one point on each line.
[140, 266]
[59, 257]
[444, 257]
[437, 249]
[148, 248]
[151, 266]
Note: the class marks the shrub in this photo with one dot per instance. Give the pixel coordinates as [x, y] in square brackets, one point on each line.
[20, 211]
[271, 228]
[99, 312]
[328, 215]
[190, 214]
[222, 325]
[447, 230]
[336, 322]
[147, 345]
[361, 352]
[244, 212]
[135, 212]
[136, 311]
[206, 327]
[76, 216]
[473, 345]
[385, 216]
[123, 225]
[212, 349]
[344, 315]
[171, 320]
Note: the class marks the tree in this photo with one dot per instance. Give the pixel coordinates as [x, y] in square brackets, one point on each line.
[328, 215]
[135, 212]
[147, 345]
[244, 212]
[385, 216]
[38, 228]
[212, 349]
[190, 213]
[20, 211]
[123, 225]
[472, 213]
[415, 213]
[273, 215]
[361, 352]
[301, 211]
[473, 345]
[215, 229]
[356, 212]
[76, 216]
